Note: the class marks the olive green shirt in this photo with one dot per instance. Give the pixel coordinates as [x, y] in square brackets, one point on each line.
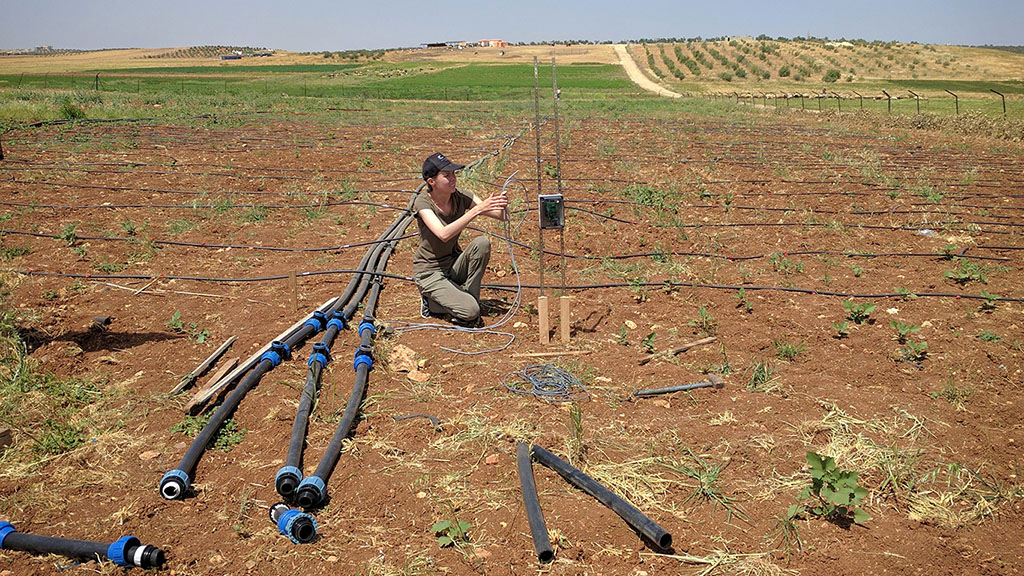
[432, 254]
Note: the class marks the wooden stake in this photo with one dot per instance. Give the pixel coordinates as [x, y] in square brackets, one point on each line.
[255, 358]
[189, 378]
[678, 349]
[195, 404]
[295, 291]
[565, 318]
[542, 320]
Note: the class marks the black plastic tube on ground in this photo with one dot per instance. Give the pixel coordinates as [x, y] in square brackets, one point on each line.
[288, 478]
[174, 485]
[313, 490]
[538, 530]
[634, 517]
[126, 551]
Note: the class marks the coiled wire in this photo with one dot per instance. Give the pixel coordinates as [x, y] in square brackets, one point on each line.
[546, 382]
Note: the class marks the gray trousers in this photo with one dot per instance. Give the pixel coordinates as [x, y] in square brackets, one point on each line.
[456, 291]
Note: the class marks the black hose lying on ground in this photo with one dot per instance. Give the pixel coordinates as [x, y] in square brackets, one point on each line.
[127, 551]
[313, 490]
[634, 517]
[290, 475]
[538, 530]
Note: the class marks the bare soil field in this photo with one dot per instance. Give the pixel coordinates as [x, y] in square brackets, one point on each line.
[753, 230]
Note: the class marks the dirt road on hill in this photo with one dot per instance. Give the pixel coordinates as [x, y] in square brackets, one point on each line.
[638, 77]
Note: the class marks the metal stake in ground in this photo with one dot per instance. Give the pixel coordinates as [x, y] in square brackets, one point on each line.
[563, 300]
[542, 300]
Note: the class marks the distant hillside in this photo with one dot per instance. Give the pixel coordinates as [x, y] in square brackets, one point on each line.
[207, 52]
[816, 63]
[1015, 49]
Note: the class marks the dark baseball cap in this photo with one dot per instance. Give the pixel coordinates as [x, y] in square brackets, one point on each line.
[437, 162]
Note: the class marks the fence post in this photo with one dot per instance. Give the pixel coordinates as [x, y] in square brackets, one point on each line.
[96, 86]
[1004, 100]
[802, 102]
[916, 99]
[956, 101]
[888, 100]
[861, 99]
[839, 102]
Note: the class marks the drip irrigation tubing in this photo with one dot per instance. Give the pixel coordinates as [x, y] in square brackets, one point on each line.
[546, 382]
[126, 551]
[788, 289]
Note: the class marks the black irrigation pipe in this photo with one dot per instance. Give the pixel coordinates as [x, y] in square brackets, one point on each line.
[312, 490]
[789, 289]
[189, 192]
[509, 287]
[750, 257]
[205, 244]
[175, 484]
[29, 272]
[534, 515]
[633, 516]
[196, 206]
[290, 475]
[126, 551]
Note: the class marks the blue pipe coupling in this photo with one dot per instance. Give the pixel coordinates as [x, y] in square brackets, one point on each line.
[278, 351]
[287, 481]
[367, 326]
[298, 526]
[321, 354]
[337, 320]
[317, 322]
[311, 492]
[174, 484]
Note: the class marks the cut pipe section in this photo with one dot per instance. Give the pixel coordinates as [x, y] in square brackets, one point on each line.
[126, 551]
[634, 517]
[538, 530]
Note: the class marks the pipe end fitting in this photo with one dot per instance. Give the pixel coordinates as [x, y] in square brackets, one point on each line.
[287, 481]
[117, 552]
[5, 529]
[298, 526]
[311, 492]
[174, 485]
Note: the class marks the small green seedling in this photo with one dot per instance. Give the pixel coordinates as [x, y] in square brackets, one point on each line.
[989, 336]
[451, 532]
[967, 271]
[741, 295]
[705, 322]
[842, 329]
[904, 294]
[903, 330]
[949, 251]
[837, 494]
[622, 338]
[990, 301]
[858, 313]
[647, 344]
[914, 351]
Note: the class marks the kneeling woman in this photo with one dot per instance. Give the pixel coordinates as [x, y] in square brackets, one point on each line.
[447, 276]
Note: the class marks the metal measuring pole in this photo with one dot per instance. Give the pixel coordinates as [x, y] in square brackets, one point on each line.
[542, 300]
[563, 300]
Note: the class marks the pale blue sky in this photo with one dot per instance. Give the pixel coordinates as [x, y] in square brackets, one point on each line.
[317, 25]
